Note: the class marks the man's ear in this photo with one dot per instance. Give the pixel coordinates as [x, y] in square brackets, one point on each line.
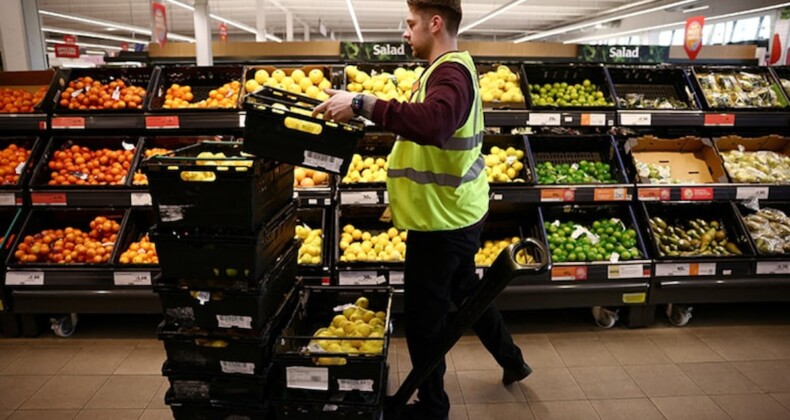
[436, 24]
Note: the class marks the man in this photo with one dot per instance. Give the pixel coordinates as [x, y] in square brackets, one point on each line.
[438, 191]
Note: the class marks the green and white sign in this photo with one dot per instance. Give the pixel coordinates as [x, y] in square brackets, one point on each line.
[651, 54]
[375, 51]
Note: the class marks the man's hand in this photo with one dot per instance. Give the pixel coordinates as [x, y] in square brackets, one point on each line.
[337, 107]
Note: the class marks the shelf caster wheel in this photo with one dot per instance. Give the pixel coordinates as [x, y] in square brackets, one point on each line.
[679, 315]
[605, 318]
[65, 325]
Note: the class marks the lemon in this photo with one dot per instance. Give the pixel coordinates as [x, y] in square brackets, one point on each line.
[351, 72]
[323, 84]
[261, 76]
[316, 76]
[251, 86]
[287, 82]
[305, 83]
[297, 75]
[322, 96]
[278, 75]
[362, 302]
[338, 320]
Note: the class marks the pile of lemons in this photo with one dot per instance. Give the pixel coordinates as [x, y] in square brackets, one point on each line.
[386, 86]
[504, 165]
[312, 241]
[491, 250]
[357, 330]
[216, 159]
[311, 84]
[366, 170]
[359, 246]
[500, 86]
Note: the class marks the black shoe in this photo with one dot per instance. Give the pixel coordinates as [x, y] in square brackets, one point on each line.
[515, 375]
[417, 411]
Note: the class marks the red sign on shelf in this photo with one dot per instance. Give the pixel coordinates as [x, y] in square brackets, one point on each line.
[68, 122]
[48, 199]
[556, 195]
[654, 194]
[169, 121]
[696, 194]
[67, 51]
[569, 273]
[693, 39]
[719, 120]
[610, 194]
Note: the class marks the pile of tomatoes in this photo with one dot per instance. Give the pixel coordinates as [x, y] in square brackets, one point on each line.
[85, 93]
[10, 158]
[14, 101]
[79, 165]
[70, 245]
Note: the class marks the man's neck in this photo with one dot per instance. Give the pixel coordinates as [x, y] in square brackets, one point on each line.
[441, 47]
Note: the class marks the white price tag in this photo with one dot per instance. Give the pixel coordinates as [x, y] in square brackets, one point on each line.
[480, 273]
[364, 385]
[231, 321]
[496, 197]
[359, 197]
[773, 267]
[320, 160]
[127, 146]
[672, 270]
[242, 120]
[312, 201]
[396, 277]
[116, 94]
[748, 193]
[708, 269]
[24, 278]
[636, 119]
[626, 272]
[171, 213]
[360, 278]
[19, 168]
[597, 120]
[7, 199]
[307, 378]
[544, 119]
[237, 367]
[141, 199]
[386, 198]
[132, 278]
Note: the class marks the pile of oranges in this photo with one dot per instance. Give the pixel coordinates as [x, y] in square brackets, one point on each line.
[70, 245]
[139, 176]
[227, 96]
[142, 252]
[10, 158]
[76, 165]
[307, 178]
[85, 93]
[13, 101]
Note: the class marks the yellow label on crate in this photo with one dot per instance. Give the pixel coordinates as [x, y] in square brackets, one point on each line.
[2, 308]
[634, 298]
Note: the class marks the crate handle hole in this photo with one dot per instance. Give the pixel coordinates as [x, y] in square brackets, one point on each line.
[304, 126]
[198, 176]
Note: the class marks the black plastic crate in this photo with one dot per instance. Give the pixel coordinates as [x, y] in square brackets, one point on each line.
[773, 250]
[711, 88]
[366, 219]
[294, 366]
[536, 74]
[131, 76]
[136, 226]
[42, 175]
[782, 74]
[372, 146]
[215, 409]
[572, 150]
[520, 82]
[12, 193]
[505, 142]
[642, 88]
[222, 196]
[508, 220]
[32, 81]
[280, 126]
[202, 387]
[202, 80]
[211, 310]
[164, 144]
[222, 258]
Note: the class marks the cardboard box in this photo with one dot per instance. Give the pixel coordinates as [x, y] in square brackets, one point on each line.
[690, 159]
[773, 143]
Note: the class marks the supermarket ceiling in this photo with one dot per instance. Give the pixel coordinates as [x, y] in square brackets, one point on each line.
[109, 22]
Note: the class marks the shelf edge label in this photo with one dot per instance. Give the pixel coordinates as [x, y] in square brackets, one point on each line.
[72, 123]
[627, 272]
[540, 119]
[696, 194]
[654, 194]
[593, 120]
[24, 278]
[611, 194]
[159, 121]
[141, 199]
[7, 199]
[359, 197]
[719, 120]
[748, 193]
[557, 195]
[577, 273]
[636, 119]
[48, 199]
[773, 267]
[121, 278]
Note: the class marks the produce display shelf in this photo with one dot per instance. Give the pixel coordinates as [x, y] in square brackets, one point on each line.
[62, 277]
[101, 301]
[314, 197]
[686, 192]
[171, 120]
[719, 290]
[660, 118]
[35, 122]
[549, 118]
[362, 195]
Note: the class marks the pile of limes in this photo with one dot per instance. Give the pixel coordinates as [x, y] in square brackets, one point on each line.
[564, 94]
[583, 172]
[573, 242]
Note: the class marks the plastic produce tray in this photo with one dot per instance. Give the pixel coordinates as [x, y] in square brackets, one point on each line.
[364, 218]
[13, 194]
[235, 197]
[484, 68]
[201, 79]
[318, 218]
[775, 86]
[517, 142]
[210, 310]
[32, 81]
[653, 83]
[330, 73]
[224, 259]
[570, 150]
[543, 74]
[201, 387]
[131, 76]
[309, 142]
[215, 409]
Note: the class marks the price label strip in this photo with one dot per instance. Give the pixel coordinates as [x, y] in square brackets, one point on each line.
[539, 119]
[231, 321]
[685, 270]
[24, 278]
[360, 278]
[773, 267]
[626, 272]
[314, 378]
[359, 197]
[132, 278]
[636, 119]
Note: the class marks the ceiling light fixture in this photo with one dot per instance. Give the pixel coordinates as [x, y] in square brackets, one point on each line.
[85, 44]
[676, 24]
[494, 13]
[108, 24]
[578, 26]
[354, 19]
[696, 9]
[233, 23]
[91, 35]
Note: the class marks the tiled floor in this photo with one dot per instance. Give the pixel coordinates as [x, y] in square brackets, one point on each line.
[724, 366]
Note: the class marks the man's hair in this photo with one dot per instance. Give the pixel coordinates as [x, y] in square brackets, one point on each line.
[449, 10]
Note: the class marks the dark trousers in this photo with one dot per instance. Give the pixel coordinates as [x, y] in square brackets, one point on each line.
[440, 267]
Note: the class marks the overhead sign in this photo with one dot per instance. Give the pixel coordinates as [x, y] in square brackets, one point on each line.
[159, 23]
[375, 51]
[69, 39]
[623, 54]
[693, 39]
[124, 46]
[779, 41]
[67, 51]
[223, 32]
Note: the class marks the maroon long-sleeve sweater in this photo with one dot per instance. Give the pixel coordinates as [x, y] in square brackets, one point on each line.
[448, 102]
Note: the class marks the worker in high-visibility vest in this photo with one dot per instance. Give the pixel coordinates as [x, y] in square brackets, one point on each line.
[438, 190]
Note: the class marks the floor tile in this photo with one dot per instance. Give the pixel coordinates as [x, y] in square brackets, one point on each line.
[158, 401]
[9, 355]
[689, 408]
[126, 392]
[41, 361]
[565, 410]
[638, 408]
[100, 360]
[109, 415]
[44, 415]
[663, 381]
[458, 412]
[584, 353]
[143, 360]
[770, 376]
[4, 414]
[65, 392]
[551, 384]
[472, 357]
[736, 348]
[539, 353]
[157, 414]
[15, 390]
[404, 360]
[778, 345]
[485, 386]
[719, 378]
[600, 383]
[685, 349]
[751, 407]
[783, 399]
[510, 411]
[453, 388]
[636, 351]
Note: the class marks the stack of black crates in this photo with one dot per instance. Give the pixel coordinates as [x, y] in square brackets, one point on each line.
[224, 236]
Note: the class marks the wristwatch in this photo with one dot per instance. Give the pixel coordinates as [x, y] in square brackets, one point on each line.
[357, 103]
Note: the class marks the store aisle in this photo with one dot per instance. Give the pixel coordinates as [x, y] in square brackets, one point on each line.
[703, 371]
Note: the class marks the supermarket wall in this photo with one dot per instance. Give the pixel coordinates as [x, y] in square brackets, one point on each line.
[22, 42]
